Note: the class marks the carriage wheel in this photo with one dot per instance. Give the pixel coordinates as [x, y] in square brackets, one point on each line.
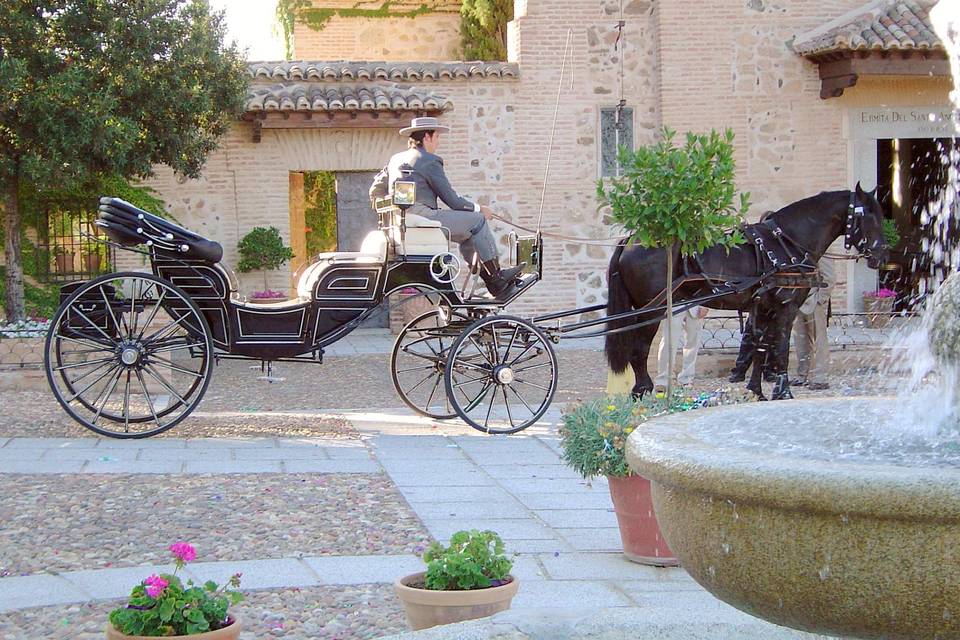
[128, 355]
[419, 359]
[501, 374]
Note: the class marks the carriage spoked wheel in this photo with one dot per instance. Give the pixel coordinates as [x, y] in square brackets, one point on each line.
[501, 374]
[419, 359]
[128, 355]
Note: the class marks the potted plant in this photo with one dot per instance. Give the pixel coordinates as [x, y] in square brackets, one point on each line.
[94, 254]
[467, 580]
[593, 437]
[262, 249]
[64, 259]
[161, 605]
[680, 198]
[879, 307]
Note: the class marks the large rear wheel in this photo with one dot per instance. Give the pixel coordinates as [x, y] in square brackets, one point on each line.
[501, 374]
[128, 355]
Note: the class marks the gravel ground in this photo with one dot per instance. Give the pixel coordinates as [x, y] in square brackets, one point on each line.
[333, 613]
[69, 522]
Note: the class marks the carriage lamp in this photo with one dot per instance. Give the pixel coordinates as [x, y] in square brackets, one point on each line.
[404, 193]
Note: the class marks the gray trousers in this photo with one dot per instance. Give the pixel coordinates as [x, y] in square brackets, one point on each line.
[468, 229]
[812, 345]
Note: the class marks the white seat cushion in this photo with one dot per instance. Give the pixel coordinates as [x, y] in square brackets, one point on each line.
[413, 220]
[372, 251]
[420, 241]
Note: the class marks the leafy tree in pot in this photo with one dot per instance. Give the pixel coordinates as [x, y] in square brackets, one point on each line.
[679, 198]
[262, 249]
[108, 87]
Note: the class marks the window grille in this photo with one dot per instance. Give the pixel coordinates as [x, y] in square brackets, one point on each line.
[612, 137]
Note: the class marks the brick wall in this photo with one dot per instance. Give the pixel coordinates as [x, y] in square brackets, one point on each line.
[433, 36]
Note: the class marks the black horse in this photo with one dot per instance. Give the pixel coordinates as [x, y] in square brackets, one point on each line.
[789, 241]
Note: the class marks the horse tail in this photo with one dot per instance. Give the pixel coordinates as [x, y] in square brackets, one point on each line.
[617, 346]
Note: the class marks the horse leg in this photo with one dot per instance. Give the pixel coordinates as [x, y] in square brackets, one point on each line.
[638, 360]
[784, 323]
[761, 329]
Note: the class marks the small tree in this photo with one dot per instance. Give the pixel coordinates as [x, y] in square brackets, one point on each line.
[107, 87]
[262, 249]
[682, 197]
[483, 29]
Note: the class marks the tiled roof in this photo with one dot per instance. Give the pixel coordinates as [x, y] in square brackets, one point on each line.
[338, 71]
[881, 25]
[320, 97]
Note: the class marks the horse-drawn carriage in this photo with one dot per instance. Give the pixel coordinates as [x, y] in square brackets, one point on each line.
[130, 354]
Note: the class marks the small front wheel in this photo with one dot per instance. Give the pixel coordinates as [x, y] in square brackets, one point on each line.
[501, 374]
[128, 355]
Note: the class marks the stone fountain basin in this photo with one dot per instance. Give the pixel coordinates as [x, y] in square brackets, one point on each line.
[848, 547]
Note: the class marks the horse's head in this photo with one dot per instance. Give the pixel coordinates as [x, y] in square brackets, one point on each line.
[864, 227]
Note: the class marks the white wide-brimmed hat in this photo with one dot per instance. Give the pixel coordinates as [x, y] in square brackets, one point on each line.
[424, 124]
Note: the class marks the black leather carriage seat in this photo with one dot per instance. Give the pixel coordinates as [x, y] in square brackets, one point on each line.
[129, 225]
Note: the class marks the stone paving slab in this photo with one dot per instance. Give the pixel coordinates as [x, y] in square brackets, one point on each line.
[513, 529]
[111, 465]
[429, 477]
[41, 466]
[260, 574]
[585, 499]
[610, 566]
[578, 518]
[117, 583]
[456, 494]
[331, 466]
[471, 510]
[568, 594]
[539, 471]
[598, 539]
[363, 569]
[41, 589]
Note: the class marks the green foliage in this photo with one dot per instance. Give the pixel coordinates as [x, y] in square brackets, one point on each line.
[181, 609]
[290, 12]
[262, 248]
[890, 233]
[474, 560]
[594, 434]
[41, 301]
[320, 214]
[113, 87]
[683, 195]
[483, 29]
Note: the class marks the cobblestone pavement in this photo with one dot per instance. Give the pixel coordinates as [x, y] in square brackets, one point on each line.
[70, 522]
[334, 613]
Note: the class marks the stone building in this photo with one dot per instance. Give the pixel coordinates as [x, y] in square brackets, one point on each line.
[818, 92]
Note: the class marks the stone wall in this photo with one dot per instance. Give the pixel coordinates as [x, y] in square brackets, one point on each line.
[433, 36]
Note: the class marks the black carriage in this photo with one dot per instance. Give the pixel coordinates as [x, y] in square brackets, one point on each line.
[130, 354]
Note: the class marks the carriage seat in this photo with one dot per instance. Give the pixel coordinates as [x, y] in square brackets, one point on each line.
[372, 251]
[423, 236]
[129, 225]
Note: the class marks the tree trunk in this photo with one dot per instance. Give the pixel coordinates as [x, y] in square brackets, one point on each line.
[670, 349]
[13, 303]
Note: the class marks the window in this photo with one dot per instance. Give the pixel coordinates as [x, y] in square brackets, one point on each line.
[613, 137]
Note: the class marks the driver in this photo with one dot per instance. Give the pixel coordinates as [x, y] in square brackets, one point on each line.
[465, 221]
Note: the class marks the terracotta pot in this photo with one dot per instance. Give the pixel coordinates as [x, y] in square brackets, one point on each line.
[879, 311]
[92, 262]
[427, 608]
[65, 262]
[230, 632]
[639, 529]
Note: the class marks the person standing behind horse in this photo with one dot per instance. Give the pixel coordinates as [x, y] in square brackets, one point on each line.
[466, 221]
[810, 333]
[687, 326]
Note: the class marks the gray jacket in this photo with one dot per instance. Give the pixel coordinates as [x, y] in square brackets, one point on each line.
[426, 170]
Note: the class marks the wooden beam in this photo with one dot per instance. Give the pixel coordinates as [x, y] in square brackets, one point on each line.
[337, 120]
[838, 75]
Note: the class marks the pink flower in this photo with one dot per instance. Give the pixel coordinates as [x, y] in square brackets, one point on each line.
[155, 585]
[183, 551]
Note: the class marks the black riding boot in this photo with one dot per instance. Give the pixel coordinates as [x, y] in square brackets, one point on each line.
[498, 280]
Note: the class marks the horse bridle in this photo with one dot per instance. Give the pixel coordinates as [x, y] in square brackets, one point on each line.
[853, 235]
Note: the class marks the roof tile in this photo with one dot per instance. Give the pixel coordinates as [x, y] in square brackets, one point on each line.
[337, 71]
[320, 97]
[881, 25]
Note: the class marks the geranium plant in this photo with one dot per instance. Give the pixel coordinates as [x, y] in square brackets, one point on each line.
[268, 294]
[474, 560]
[161, 605]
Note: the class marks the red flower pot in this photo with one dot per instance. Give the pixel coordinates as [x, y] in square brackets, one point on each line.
[639, 530]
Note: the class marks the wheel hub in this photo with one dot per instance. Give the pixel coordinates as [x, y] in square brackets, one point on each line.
[130, 354]
[503, 375]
